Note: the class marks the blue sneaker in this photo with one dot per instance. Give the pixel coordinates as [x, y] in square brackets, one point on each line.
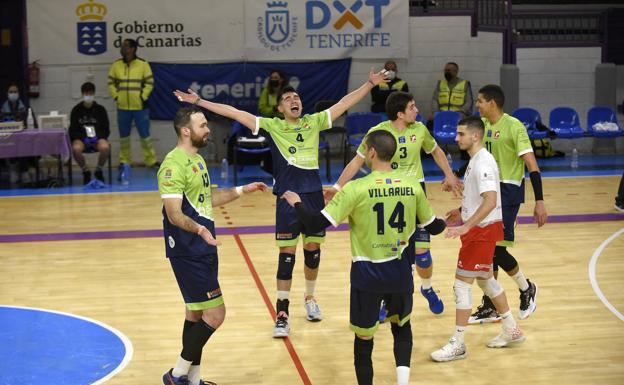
[382, 312]
[435, 303]
[169, 379]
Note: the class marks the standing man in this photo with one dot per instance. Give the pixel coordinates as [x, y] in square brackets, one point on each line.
[479, 224]
[89, 129]
[507, 140]
[130, 82]
[411, 136]
[383, 208]
[380, 93]
[294, 147]
[189, 231]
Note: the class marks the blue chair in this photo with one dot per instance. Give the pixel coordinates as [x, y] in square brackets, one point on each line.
[245, 143]
[564, 121]
[419, 118]
[530, 117]
[602, 115]
[357, 125]
[445, 126]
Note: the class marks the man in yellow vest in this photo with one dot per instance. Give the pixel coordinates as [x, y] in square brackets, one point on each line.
[130, 82]
[381, 92]
[452, 93]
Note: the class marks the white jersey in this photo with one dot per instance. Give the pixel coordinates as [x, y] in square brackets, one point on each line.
[481, 175]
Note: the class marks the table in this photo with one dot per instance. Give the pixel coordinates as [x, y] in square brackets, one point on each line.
[37, 143]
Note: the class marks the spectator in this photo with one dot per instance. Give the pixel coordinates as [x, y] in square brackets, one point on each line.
[88, 131]
[267, 105]
[452, 93]
[381, 92]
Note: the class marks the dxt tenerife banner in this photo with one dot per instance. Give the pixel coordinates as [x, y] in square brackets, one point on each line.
[326, 29]
[240, 84]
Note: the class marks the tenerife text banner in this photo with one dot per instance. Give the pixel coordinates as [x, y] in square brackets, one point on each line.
[239, 84]
[326, 29]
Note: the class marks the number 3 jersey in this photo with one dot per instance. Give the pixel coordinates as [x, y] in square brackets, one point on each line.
[382, 208]
[185, 176]
[295, 150]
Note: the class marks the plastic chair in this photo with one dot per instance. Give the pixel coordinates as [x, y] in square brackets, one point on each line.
[564, 121]
[358, 124]
[319, 106]
[253, 146]
[602, 115]
[445, 126]
[530, 117]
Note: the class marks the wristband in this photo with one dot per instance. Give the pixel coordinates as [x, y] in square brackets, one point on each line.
[239, 190]
[536, 182]
[337, 187]
[197, 100]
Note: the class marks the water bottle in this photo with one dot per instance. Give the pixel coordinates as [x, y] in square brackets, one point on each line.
[224, 169]
[574, 163]
[449, 158]
[30, 120]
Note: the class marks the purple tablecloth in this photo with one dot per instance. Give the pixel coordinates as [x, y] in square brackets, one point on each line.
[34, 143]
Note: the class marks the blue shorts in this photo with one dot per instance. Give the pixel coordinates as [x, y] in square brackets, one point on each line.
[287, 225]
[197, 279]
[510, 213]
[364, 310]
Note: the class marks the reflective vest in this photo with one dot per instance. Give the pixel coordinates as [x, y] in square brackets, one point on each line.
[130, 85]
[451, 100]
[398, 86]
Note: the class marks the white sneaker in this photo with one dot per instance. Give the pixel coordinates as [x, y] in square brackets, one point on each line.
[313, 312]
[282, 326]
[450, 352]
[528, 302]
[507, 337]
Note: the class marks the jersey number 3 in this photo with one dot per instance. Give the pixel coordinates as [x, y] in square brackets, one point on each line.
[397, 218]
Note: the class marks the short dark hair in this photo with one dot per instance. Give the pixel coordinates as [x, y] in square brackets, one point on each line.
[285, 90]
[384, 144]
[453, 63]
[87, 87]
[12, 84]
[492, 91]
[397, 102]
[132, 43]
[472, 123]
[183, 117]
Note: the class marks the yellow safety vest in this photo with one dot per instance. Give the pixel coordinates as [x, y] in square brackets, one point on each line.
[395, 87]
[130, 85]
[451, 100]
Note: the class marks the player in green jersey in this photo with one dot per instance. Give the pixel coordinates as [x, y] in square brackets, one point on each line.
[382, 208]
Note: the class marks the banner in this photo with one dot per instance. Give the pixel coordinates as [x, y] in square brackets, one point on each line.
[239, 84]
[326, 29]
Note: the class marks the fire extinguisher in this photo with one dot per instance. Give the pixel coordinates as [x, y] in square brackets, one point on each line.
[33, 79]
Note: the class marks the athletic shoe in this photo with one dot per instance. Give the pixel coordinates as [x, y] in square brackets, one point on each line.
[313, 313]
[486, 312]
[169, 379]
[99, 175]
[86, 177]
[204, 382]
[450, 352]
[383, 312]
[282, 326]
[435, 303]
[507, 337]
[619, 206]
[527, 300]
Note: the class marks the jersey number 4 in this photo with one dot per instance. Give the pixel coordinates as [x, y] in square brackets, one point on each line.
[397, 218]
[299, 137]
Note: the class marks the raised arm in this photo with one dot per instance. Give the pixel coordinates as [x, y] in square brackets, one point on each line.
[347, 174]
[349, 100]
[243, 117]
[223, 196]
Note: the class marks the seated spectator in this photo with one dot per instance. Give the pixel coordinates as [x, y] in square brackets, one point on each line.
[267, 105]
[452, 93]
[380, 93]
[89, 130]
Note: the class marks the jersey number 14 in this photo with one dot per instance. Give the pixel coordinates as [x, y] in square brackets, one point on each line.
[396, 220]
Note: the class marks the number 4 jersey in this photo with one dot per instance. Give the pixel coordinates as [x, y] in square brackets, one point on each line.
[382, 208]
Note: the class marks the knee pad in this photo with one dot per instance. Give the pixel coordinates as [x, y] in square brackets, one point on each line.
[285, 266]
[463, 295]
[503, 259]
[490, 287]
[424, 260]
[312, 258]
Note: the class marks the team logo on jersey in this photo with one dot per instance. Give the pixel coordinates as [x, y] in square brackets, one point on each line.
[201, 166]
[91, 30]
[489, 133]
[394, 165]
[292, 149]
[401, 139]
[497, 135]
[195, 170]
[171, 242]
[412, 138]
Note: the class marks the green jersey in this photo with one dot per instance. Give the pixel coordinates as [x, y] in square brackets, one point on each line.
[409, 143]
[185, 176]
[382, 208]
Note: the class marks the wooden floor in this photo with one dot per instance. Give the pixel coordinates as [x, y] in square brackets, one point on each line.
[127, 283]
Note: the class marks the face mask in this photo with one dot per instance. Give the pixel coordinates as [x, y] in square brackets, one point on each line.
[13, 96]
[88, 99]
[273, 83]
[448, 76]
[390, 74]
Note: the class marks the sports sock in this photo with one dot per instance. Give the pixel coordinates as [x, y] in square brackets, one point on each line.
[194, 374]
[521, 281]
[426, 283]
[403, 373]
[508, 320]
[459, 333]
[309, 288]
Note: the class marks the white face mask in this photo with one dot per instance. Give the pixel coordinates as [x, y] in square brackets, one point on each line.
[88, 99]
[391, 75]
[13, 96]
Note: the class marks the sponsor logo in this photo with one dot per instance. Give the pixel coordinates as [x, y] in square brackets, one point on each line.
[277, 30]
[480, 266]
[171, 242]
[394, 165]
[292, 149]
[284, 235]
[497, 135]
[214, 293]
[489, 133]
[401, 139]
[168, 174]
[200, 165]
[91, 29]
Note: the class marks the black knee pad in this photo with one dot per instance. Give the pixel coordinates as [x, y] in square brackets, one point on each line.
[402, 343]
[285, 266]
[312, 258]
[503, 259]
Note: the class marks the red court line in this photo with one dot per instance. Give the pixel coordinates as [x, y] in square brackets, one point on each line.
[269, 305]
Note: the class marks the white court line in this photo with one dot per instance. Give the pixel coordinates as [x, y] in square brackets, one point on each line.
[592, 273]
[120, 335]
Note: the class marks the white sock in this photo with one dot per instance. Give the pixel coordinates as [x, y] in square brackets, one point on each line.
[181, 368]
[426, 283]
[459, 333]
[508, 320]
[282, 294]
[403, 373]
[520, 279]
[309, 288]
[194, 374]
